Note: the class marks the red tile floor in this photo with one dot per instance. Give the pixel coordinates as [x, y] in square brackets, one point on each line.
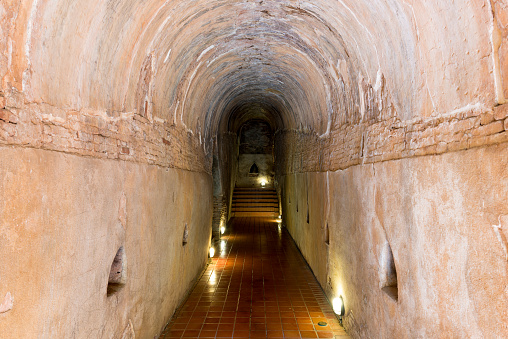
[258, 285]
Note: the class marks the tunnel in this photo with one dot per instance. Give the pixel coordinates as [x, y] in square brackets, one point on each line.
[126, 127]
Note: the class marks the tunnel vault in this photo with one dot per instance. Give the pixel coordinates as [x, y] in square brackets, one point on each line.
[121, 126]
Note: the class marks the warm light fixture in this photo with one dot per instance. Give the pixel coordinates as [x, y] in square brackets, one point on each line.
[263, 183]
[279, 219]
[212, 252]
[338, 307]
[222, 230]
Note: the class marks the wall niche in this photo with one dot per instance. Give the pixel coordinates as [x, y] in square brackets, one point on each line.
[116, 279]
[388, 272]
[185, 235]
[327, 235]
[254, 170]
[255, 154]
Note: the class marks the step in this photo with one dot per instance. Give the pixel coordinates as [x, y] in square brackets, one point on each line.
[246, 201]
[256, 205]
[255, 192]
[255, 202]
[253, 208]
[255, 214]
[255, 196]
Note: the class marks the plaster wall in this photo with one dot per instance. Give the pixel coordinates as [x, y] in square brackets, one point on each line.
[264, 162]
[63, 219]
[445, 218]
[358, 93]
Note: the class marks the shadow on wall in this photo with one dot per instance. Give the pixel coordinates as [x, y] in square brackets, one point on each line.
[388, 273]
[117, 275]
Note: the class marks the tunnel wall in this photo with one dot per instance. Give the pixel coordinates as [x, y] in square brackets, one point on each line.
[229, 158]
[264, 162]
[87, 166]
[348, 85]
[63, 219]
[55, 260]
[440, 208]
[256, 147]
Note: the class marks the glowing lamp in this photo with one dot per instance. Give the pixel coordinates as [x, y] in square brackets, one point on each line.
[263, 183]
[222, 230]
[338, 306]
[212, 252]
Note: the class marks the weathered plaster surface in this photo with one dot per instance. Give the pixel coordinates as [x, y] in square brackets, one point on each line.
[319, 63]
[437, 214]
[63, 219]
[371, 102]
[264, 162]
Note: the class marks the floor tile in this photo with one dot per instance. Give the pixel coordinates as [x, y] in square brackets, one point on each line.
[259, 286]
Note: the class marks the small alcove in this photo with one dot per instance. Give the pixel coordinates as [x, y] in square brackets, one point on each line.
[327, 235]
[116, 280]
[254, 170]
[185, 235]
[388, 272]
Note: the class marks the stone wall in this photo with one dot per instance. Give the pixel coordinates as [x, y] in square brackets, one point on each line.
[228, 145]
[264, 163]
[389, 139]
[101, 134]
[256, 147]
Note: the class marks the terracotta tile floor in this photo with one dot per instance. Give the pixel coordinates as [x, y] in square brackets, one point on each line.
[257, 286]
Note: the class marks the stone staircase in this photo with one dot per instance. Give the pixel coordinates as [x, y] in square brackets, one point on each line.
[255, 202]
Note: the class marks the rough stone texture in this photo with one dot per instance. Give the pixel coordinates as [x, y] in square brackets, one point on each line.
[225, 178]
[311, 64]
[256, 147]
[219, 217]
[63, 219]
[126, 136]
[390, 139]
[256, 137]
[449, 244]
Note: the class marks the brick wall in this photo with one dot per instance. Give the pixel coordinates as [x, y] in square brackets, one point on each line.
[110, 135]
[219, 214]
[374, 141]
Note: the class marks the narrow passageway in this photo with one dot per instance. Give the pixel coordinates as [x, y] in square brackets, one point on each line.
[258, 285]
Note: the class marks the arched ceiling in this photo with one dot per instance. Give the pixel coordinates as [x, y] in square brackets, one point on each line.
[212, 65]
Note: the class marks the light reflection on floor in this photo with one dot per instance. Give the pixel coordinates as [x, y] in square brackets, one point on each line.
[257, 286]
